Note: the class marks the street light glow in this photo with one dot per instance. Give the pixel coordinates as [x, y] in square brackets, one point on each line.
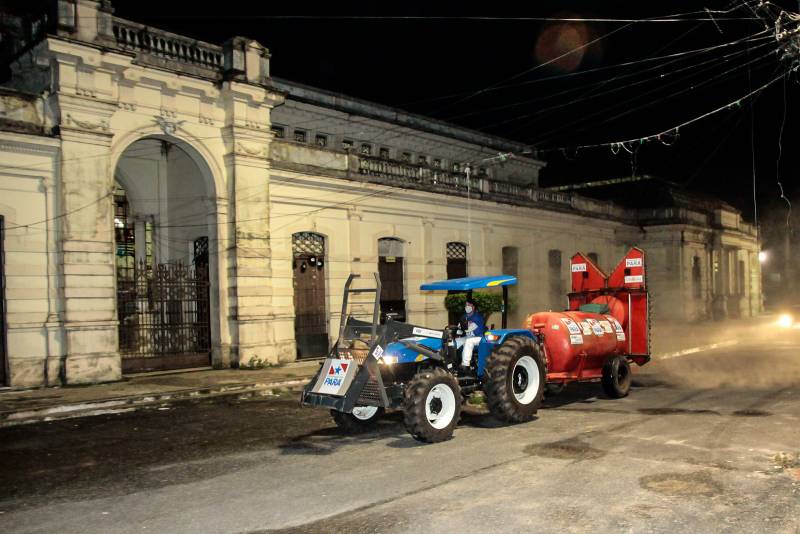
[785, 320]
[762, 256]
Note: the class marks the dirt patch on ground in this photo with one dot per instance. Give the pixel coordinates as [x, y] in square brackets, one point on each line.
[348, 523]
[682, 484]
[151, 448]
[568, 449]
[751, 413]
[676, 411]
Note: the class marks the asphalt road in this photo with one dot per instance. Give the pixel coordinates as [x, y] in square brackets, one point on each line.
[705, 442]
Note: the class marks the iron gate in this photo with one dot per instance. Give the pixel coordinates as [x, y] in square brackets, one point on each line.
[164, 320]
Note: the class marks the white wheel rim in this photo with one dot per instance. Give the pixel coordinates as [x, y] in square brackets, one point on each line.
[440, 406]
[525, 380]
[364, 413]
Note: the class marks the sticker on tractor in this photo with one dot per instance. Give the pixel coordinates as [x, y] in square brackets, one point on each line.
[596, 328]
[578, 267]
[556, 327]
[378, 352]
[427, 333]
[607, 327]
[633, 262]
[571, 326]
[576, 339]
[634, 279]
[335, 377]
[587, 328]
[617, 326]
[620, 336]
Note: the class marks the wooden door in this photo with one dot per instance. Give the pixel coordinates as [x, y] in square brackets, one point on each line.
[311, 319]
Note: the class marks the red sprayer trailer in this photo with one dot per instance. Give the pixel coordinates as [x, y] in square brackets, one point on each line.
[606, 327]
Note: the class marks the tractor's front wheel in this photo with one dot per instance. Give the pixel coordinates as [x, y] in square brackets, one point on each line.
[515, 379]
[617, 377]
[362, 419]
[432, 405]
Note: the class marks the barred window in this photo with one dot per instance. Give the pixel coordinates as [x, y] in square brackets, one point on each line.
[308, 244]
[456, 251]
[300, 136]
[321, 140]
[279, 132]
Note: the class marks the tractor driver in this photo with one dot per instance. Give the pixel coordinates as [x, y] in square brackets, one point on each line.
[472, 326]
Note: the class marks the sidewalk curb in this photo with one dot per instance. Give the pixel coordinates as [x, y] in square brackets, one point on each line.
[133, 402]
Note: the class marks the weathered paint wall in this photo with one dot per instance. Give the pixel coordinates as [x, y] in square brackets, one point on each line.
[28, 197]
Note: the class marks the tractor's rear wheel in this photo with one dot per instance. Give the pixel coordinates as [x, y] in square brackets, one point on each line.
[617, 377]
[362, 419]
[432, 405]
[515, 380]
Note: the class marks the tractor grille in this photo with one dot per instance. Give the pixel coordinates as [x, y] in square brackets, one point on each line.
[370, 393]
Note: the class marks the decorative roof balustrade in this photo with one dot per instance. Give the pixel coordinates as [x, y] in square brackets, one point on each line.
[163, 47]
[405, 174]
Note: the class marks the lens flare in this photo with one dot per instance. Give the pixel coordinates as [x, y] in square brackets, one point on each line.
[785, 320]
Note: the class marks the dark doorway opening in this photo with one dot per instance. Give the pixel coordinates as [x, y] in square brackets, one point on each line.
[390, 270]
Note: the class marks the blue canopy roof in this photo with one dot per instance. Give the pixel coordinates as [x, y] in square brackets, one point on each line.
[472, 282]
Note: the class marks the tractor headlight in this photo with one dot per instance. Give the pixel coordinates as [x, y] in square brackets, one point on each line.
[785, 320]
[388, 360]
[490, 337]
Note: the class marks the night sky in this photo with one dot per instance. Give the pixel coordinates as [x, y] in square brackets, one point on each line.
[450, 63]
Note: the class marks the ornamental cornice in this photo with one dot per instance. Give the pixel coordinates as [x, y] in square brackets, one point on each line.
[36, 148]
[247, 149]
[85, 123]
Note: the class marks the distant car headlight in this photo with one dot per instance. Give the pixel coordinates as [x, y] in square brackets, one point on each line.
[491, 337]
[785, 320]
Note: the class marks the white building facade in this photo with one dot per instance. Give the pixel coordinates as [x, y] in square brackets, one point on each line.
[167, 203]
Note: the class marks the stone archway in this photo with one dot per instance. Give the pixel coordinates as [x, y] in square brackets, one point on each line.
[165, 257]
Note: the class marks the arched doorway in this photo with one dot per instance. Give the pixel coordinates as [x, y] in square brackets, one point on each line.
[310, 316]
[162, 224]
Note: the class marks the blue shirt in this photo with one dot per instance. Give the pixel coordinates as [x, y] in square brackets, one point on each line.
[476, 318]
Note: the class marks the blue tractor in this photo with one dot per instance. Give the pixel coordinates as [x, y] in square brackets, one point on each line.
[419, 370]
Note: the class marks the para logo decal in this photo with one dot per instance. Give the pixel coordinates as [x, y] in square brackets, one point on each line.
[336, 374]
[336, 377]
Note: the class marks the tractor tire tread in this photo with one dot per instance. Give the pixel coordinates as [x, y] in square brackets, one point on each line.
[416, 394]
[610, 381]
[499, 394]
